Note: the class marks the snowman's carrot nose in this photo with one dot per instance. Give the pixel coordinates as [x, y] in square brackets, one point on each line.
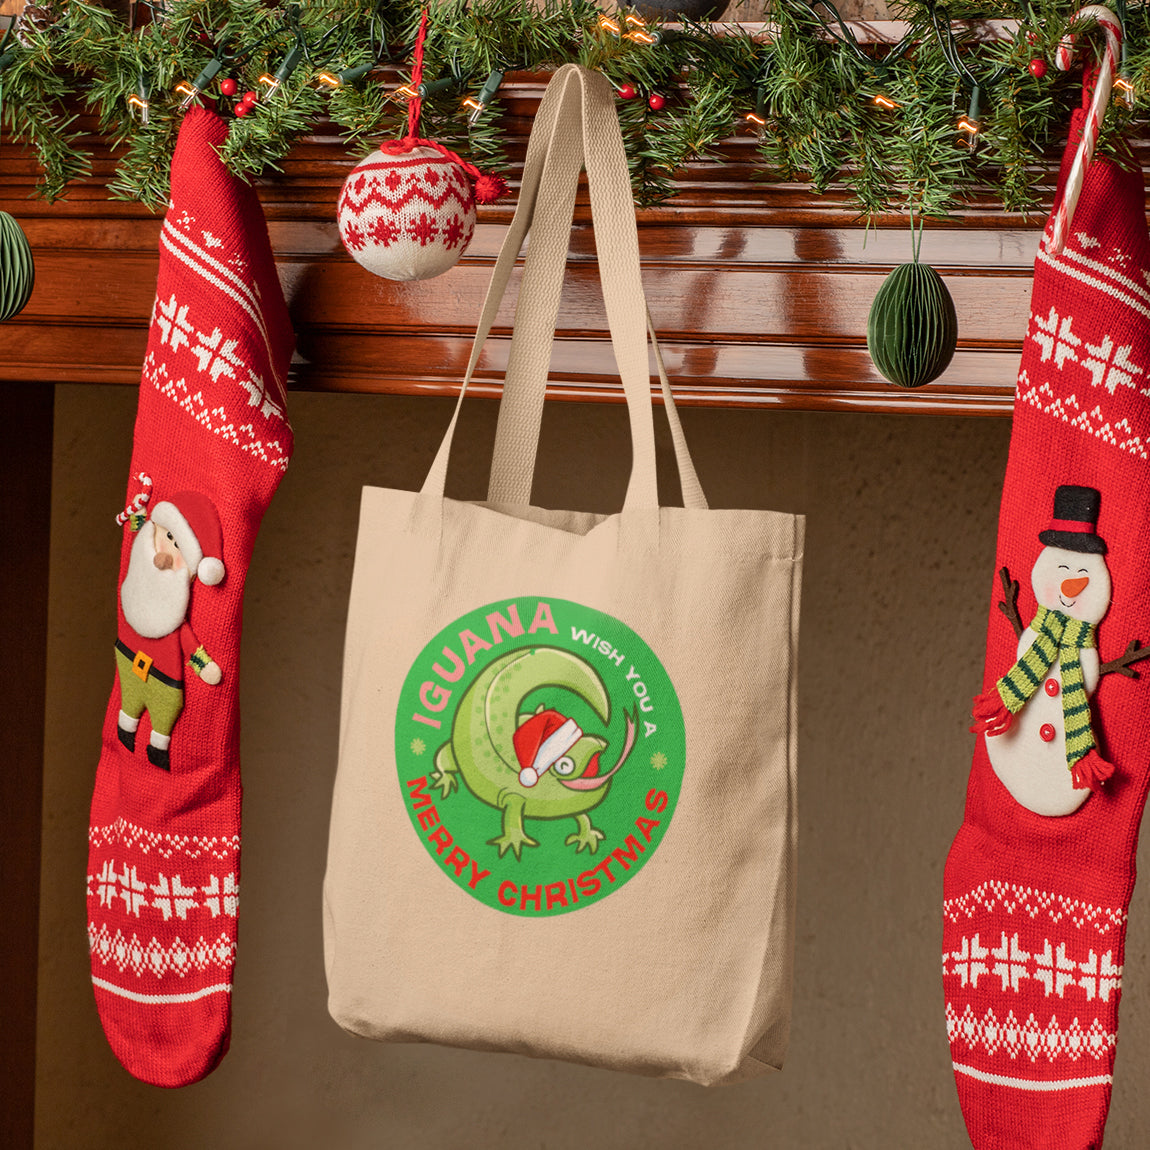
[1073, 587]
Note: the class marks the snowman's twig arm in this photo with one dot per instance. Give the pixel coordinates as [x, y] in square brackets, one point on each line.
[1134, 651]
[1009, 606]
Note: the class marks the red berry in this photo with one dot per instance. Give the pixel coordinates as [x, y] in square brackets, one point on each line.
[251, 98]
[242, 109]
[228, 87]
[1037, 68]
[626, 92]
[655, 102]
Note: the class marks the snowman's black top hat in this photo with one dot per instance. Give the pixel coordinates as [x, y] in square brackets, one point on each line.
[1075, 523]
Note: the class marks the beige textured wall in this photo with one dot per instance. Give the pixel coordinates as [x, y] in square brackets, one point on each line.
[900, 536]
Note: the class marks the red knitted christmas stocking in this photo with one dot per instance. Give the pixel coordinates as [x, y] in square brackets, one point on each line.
[1039, 877]
[212, 441]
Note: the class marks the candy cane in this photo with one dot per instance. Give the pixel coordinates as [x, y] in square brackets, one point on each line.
[1109, 69]
[139, 503]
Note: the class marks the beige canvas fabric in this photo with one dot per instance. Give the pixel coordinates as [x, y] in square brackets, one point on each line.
[683, 967]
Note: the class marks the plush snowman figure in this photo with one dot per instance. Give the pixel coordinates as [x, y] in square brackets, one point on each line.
[1037, 720]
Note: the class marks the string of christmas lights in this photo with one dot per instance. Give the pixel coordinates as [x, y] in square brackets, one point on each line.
[894, 122]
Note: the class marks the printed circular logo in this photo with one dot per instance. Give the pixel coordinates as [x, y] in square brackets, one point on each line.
[540, 749]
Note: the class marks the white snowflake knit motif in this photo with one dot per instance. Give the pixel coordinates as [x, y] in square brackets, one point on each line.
[1008, 965]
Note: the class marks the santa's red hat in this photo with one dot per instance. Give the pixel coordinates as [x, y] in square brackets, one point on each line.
[195, 525]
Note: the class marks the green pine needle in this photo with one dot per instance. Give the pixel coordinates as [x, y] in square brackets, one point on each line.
[822, 127]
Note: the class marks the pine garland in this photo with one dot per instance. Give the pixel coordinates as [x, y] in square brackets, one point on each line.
[813, 91]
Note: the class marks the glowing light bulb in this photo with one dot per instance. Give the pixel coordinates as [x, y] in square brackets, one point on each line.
[138, 103]
[192, 90]
[486, 93]
[969, 123]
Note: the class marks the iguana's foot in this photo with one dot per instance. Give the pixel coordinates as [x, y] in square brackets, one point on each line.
[515, 838]
[586, 837]
[445, 776]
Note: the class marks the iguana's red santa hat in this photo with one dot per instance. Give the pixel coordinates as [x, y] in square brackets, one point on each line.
[542, 740]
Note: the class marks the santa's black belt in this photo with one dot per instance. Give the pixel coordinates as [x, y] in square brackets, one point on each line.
[142, 666]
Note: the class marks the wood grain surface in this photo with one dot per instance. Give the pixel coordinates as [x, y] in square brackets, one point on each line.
[759, 290]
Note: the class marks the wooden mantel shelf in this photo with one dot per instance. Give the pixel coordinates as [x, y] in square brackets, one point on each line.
[759, 291]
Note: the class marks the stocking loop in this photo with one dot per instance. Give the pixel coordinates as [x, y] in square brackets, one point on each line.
[488, 188]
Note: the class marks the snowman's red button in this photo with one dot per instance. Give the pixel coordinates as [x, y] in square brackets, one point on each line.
[1052, 687]
[1046, 733]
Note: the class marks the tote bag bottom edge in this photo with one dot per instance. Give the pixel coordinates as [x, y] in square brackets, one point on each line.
[750, 1067]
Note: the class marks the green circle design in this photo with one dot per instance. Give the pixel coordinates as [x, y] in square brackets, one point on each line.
[540, 750]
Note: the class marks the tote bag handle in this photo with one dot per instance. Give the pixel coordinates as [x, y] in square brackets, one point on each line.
[521, 411]
[576, 125]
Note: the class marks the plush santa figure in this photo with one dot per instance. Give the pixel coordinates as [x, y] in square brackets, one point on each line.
[179, 543]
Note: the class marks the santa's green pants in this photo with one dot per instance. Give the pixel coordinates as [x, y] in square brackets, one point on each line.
[162, 701]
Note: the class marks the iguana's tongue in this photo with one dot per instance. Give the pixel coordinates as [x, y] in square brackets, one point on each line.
[590, 779]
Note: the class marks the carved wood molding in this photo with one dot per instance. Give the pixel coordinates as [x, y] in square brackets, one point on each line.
[760, 291]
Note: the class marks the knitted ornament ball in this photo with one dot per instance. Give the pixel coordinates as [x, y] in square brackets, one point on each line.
[407, 215]
[17, 272]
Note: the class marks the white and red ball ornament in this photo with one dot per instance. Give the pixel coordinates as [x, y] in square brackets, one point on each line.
[407, 212]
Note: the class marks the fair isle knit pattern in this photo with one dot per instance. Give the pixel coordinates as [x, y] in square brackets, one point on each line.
[407, 216]
[163, 870]
[1057, 637]
[1076, 370]
[1034, 914]
[122, 834]
[1008, 898]
[146, 881]
[1055, 977]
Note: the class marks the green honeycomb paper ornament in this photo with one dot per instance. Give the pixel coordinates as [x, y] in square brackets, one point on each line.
[912, 328]
[17, 272]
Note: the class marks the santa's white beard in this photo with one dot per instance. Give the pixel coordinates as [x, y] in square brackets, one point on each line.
[155, 602]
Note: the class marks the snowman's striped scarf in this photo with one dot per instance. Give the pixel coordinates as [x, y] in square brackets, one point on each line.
[1059, 637]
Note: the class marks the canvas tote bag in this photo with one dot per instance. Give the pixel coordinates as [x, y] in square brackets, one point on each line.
[564, 814]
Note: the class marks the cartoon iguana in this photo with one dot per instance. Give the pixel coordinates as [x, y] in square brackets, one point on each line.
[537, 765]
